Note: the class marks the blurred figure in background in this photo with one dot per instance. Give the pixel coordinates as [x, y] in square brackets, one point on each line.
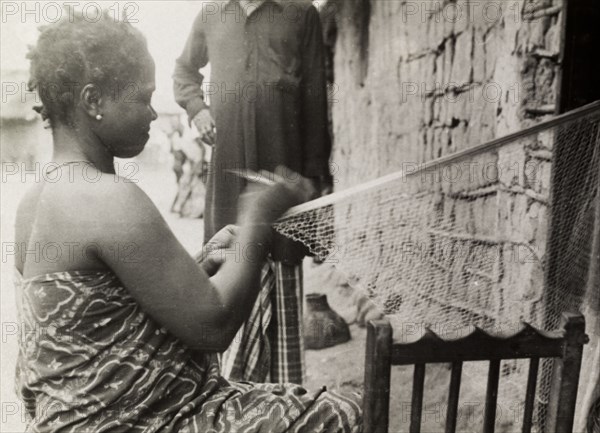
[179, 158]
[189, 165]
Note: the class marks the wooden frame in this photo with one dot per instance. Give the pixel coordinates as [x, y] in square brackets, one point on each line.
[566, 346]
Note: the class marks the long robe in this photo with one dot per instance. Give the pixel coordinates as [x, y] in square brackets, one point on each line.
[268, 94]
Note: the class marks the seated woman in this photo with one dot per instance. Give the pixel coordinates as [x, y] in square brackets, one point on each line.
[123, 327]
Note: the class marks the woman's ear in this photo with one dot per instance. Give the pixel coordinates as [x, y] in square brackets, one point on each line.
[91, 100]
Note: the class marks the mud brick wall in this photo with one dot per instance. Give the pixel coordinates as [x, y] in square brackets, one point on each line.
[416, 80]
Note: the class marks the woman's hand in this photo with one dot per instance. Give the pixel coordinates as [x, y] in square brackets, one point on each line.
[213, 253]
[265, 204]
[204, 312]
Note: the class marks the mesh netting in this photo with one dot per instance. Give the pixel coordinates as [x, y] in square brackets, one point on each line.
[466, 240]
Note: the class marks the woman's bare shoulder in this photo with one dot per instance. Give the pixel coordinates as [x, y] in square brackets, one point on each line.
[26, 213]
[108, 202]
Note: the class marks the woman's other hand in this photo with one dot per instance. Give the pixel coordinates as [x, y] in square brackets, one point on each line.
[214, 252]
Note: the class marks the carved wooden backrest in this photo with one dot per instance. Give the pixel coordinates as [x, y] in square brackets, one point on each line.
[566, 346]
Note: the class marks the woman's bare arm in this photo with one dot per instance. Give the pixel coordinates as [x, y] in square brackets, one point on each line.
[203, 312]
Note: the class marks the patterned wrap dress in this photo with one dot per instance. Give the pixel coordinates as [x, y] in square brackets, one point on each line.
[90, 360]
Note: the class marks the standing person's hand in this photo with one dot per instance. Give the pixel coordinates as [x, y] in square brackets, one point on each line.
[205, 125]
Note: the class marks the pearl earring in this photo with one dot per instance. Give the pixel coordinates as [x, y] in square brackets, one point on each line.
[98, 116]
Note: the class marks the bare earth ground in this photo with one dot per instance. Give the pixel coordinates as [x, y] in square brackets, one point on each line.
[338, 368]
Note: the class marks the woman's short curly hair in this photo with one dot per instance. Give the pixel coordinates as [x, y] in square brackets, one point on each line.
[76, 51]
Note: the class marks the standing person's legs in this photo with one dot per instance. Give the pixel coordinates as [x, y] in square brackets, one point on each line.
[287, 348]
[269, 345]
[248, 358]
[287, 339]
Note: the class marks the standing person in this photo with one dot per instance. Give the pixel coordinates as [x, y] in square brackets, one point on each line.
[269, 106]
[267, 92]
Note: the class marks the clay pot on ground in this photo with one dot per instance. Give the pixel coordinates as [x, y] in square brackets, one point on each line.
[323, 327]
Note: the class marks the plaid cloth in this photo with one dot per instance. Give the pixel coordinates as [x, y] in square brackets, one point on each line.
[287, 348]
[269, 346]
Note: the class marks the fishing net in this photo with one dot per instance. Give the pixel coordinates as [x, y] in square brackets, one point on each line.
[466, 240]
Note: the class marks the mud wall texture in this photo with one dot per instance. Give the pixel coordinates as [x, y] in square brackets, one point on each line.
[416, 80]
[419, 80]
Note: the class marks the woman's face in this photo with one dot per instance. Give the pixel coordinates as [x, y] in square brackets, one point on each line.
[127, 114]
